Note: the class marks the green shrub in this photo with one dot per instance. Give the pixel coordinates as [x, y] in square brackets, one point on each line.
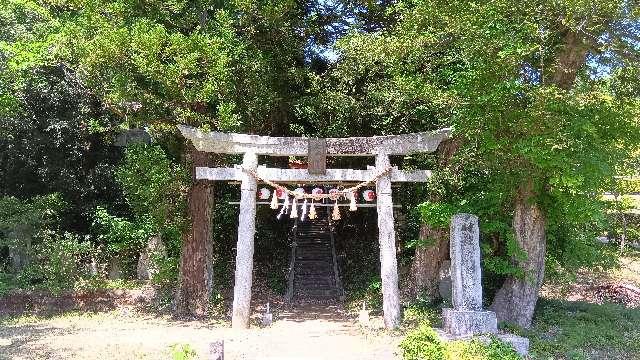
[121, 238]
[57, 262]
[167, 271]
[183, 352]
[423, 343]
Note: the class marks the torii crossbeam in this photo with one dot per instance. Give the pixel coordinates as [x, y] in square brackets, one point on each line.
[253, 145]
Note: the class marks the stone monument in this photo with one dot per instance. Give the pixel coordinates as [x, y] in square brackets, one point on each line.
[147, 267]
[467, 318]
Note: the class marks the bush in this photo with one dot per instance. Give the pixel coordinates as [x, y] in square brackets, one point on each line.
[423, 343]
[183, 352]
[122, 238]
[58, 260]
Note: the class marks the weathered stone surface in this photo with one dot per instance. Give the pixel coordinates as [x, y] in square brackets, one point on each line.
[216, 350]
[245, 247]
[297, 175]
[147, 267]
[19, 241]
[465, 263]
[133, 136]
[115, 270]
[520, 344]
[387, 240]
[228, 143]
[469, 322]
[444, 281]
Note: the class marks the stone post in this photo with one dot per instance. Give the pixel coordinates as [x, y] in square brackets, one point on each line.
[465, 260]
[467, 317]
[387, 239]
[244, 255]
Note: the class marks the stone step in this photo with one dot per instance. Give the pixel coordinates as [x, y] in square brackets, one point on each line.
[326, 271]
[311, 246]
[316, 269]
[314, 252]
[316, 284]
[317, 293]
[324, 259]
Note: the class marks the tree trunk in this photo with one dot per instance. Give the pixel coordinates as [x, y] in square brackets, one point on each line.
[426, 264]
[516, 300]
[572, 57]
[195, 281]
[428, 259]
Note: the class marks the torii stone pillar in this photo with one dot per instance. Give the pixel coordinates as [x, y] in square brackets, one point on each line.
[244, 255]
[387, 240]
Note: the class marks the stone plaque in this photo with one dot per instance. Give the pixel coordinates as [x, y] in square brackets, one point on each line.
[465, 262]
[317, 156]
[132, 136]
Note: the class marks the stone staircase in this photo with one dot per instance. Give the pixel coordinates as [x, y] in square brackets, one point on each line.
[315, 273]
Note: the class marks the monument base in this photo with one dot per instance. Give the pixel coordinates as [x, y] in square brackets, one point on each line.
[520, 344]
[467, 322]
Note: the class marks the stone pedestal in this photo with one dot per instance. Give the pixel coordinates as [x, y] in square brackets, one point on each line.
[469, 322]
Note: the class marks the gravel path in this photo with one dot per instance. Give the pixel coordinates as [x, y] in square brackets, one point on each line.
[310, 331]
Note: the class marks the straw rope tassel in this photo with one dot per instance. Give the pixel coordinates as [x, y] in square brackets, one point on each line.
[274, 199]
[304, 210]
[294, 208]
[353, 206]
[286, 204]
[336, 212]
[281, 212]
[312, 211]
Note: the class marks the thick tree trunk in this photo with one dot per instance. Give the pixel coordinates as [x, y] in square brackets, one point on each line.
[428, 260]
[572, 57]
[515, 302]
[195, 282]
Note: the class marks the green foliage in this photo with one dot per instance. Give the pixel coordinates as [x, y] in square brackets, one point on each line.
[424, 343]
[476, 350]
[575, 330]
[436, 215]
[167, 273]
[57, 262]
[422, 311]
[121, 237]
[183, 352]
[8, 282]
[34, 215]
[152, 184]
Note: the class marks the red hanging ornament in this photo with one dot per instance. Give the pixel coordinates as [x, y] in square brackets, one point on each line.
[369, 195]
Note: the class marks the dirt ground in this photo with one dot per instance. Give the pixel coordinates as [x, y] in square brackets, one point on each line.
[310, 331]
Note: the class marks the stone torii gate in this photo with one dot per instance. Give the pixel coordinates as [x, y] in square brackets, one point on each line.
[316, 150]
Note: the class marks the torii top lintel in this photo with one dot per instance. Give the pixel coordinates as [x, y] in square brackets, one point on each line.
[229, 143]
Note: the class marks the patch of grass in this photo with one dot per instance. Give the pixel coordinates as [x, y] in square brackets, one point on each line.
[107, 284]
[24, 319]
[182, 352]
[422, 311]
[577, 330]
[423, 343]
